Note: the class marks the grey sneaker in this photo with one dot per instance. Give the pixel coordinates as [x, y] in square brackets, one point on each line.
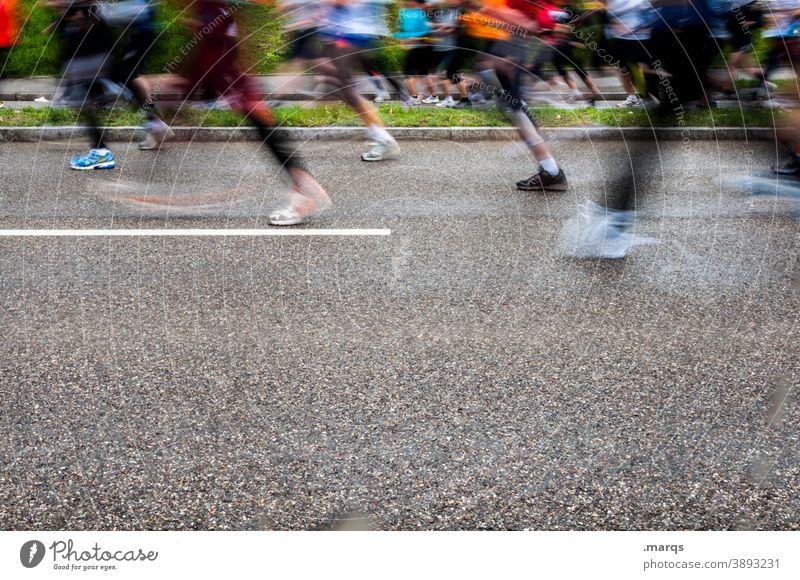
[789, 166]
[157, 132]
[379, 151]
[631, 101]
[544, 181]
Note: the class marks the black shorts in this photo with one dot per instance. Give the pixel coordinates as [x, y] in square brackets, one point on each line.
[441, 59]
[629, 51]
[740, 40]
[468, 51]
[419, 61]
[304, 45]
[4, 51]
[138, 44]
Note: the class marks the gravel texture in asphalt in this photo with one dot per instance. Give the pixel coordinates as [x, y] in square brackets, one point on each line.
[458, 374]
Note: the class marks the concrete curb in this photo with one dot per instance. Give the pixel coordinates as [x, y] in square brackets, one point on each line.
[217, 134]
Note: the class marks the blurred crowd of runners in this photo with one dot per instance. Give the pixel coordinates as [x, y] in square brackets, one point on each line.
[458, 54]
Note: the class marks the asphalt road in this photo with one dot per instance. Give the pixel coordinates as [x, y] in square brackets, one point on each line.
[458, 374]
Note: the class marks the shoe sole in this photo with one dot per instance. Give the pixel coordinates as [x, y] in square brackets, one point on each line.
[292, 222]
[300, 220]
[321, 209]
[554, 187]
[389, 155]
[99, 166]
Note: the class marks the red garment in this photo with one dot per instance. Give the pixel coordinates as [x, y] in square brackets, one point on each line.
[529, 8]
[544, 16]
[8, 23]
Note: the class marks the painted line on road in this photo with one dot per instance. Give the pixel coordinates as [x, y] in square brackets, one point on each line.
[195, 232]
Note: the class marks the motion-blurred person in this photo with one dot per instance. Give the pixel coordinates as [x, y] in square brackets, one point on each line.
[789, 133]
[505, 31]
[468, 47]
[557, 46]
[679, 49]
[447, 57]
[743, 21]
[302, 25]
[375, 11]
[351, 31]
[87, 42]
[415, 31]
[781, 35]
[95, 74]
[628, 29]
[137, 21]
[214, 64]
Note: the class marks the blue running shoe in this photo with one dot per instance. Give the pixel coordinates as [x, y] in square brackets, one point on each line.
[94, 159]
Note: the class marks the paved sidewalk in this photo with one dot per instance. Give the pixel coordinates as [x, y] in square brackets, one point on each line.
[293, 87]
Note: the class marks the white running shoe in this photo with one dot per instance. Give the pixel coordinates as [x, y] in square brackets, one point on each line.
[378, 151]
[412, 102]
[631, 101]
[598, 232]
[430, 100]
[447, 103]
[381, 97]
[309, 202]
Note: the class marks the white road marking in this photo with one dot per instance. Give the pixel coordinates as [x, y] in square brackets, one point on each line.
[193, 232]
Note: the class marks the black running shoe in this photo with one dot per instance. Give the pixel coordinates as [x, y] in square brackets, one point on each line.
[544, 181]
[462, 104]
[789, 167]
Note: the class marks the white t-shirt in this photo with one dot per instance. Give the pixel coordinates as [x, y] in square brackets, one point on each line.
[629, 19]
[302, 13]
[363, 18]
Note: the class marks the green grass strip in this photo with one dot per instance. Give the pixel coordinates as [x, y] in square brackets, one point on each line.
[328, 115]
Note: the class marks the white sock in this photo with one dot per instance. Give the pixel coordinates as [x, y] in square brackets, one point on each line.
[549, 165]
[378, 133]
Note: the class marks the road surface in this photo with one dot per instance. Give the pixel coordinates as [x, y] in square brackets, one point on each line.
[456, 374]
